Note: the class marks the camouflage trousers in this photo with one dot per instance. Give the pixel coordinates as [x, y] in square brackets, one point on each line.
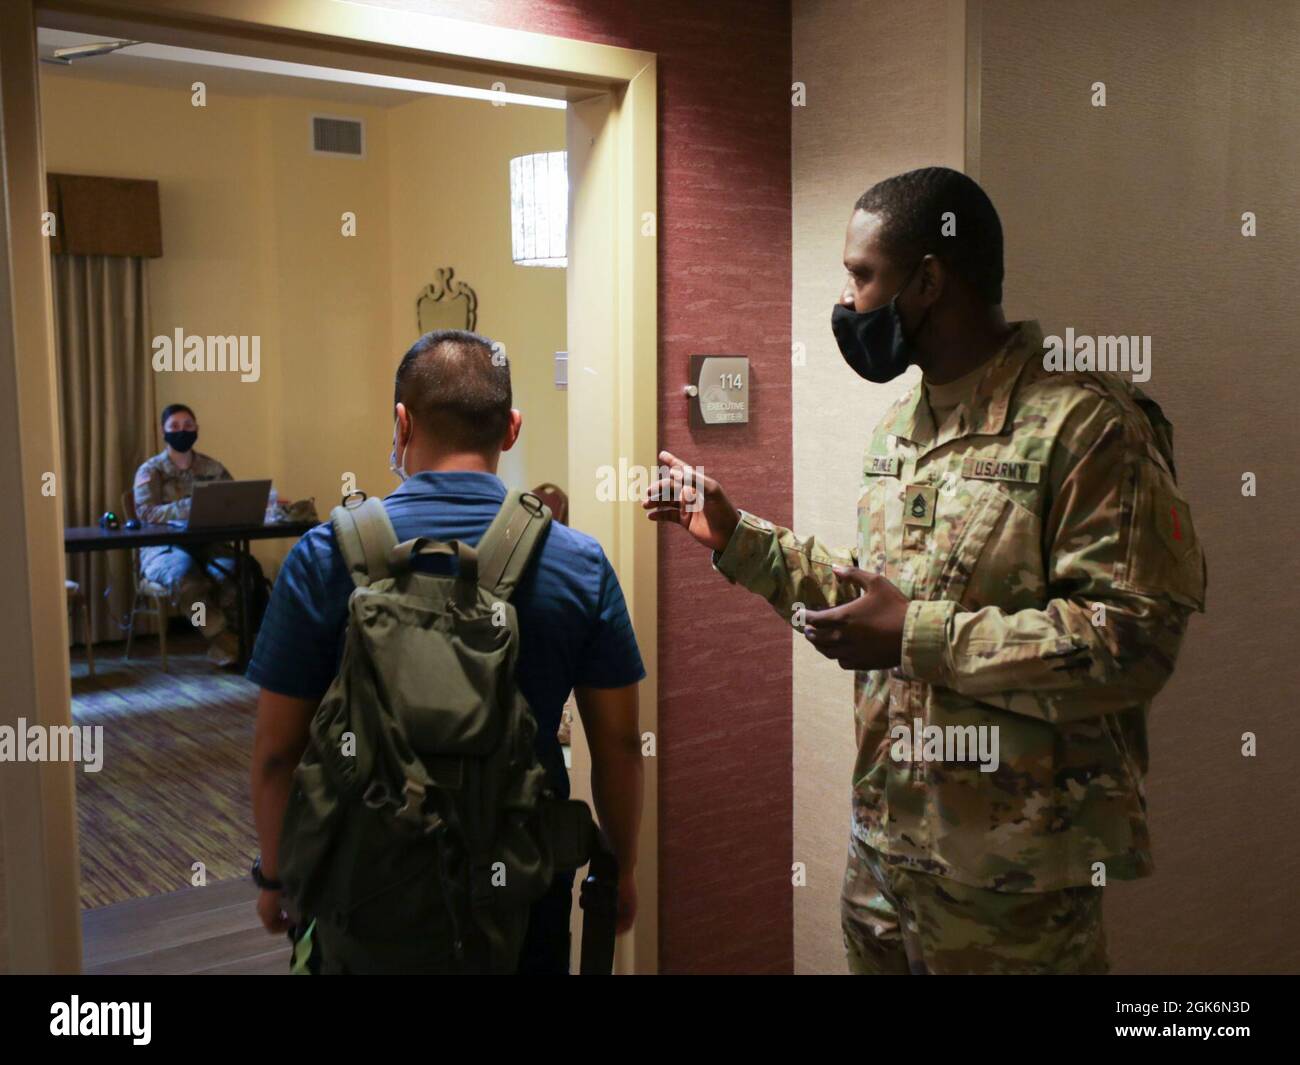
[897, 922]
[197, 575]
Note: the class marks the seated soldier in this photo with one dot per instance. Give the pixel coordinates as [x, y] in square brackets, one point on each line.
[201, 573]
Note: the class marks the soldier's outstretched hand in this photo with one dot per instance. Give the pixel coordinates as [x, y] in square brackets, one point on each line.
[866, 632]
[684, 495]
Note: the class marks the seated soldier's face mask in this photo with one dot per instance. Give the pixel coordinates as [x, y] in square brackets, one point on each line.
[392, 457]
[874, 343]
[181, 439]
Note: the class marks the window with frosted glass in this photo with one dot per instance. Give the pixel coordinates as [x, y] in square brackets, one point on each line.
[539, 209]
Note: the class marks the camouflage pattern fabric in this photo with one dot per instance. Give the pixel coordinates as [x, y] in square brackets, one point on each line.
[1052, 566]
[898, 922]
[162, 490]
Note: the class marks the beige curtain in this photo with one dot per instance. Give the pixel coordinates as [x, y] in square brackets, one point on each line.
[106, 396]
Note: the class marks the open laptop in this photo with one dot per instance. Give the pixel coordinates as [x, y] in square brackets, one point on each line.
[228, 504]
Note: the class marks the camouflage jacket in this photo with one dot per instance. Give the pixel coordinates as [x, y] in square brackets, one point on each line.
[162, 490]
[1052, 565]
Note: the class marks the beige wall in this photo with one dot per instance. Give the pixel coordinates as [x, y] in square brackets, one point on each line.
[328, 387]
[206, 161]
[253, 245]
[450, 206]
[1127, 219]
[884, 95]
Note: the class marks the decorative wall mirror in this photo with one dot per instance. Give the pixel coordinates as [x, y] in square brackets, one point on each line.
[446, 304]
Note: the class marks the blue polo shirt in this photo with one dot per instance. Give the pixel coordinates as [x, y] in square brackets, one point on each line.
[574, 627]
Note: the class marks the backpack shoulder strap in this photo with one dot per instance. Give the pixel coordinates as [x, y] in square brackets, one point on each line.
[365, 536]
[510, 541]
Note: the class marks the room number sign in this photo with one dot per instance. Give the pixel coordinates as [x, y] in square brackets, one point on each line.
[719, 390]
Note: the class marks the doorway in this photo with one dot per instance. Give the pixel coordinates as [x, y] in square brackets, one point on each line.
[609, 99]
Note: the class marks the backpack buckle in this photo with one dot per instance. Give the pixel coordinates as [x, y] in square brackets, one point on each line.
[377, 795]
[412, 811]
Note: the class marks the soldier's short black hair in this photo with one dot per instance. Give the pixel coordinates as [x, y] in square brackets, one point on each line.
[455, 389]
[176, 408]
[912, 208]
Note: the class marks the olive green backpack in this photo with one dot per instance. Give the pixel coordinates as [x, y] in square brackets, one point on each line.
[421, 827]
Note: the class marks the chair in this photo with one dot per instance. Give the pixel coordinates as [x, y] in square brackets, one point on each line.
[78, 607]
[553, 496]
[145, 591]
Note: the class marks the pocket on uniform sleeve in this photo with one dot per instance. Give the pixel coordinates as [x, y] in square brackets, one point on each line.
[1164, 557]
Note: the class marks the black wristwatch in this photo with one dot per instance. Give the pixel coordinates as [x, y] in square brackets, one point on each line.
[262, 880]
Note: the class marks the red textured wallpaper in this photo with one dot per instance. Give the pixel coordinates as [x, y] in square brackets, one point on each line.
[725, 740]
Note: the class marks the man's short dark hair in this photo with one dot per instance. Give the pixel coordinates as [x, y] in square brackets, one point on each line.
[176, 408]
[455, 390]
[912, 208]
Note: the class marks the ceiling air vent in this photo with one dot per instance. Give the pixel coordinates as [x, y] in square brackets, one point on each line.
[337, 136]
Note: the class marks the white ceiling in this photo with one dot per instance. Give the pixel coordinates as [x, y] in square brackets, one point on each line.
[165, 65]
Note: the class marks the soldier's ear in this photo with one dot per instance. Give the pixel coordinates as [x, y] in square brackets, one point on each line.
[934, 279]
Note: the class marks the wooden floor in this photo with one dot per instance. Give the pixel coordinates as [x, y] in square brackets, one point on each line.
[211, 929]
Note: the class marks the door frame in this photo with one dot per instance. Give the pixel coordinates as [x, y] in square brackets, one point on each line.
[613, 356]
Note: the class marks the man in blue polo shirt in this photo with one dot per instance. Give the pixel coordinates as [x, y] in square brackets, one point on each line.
[453, 420]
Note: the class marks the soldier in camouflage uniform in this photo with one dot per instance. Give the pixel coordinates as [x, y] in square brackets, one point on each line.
[193, 574]
[1025, 565]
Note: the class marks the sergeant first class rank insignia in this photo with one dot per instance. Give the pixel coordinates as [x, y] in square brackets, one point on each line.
[918, 505]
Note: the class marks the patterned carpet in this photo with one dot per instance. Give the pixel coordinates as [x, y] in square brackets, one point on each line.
[173, 789]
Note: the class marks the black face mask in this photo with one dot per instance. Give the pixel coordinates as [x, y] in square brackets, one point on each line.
[873, 343]
[181, 440]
